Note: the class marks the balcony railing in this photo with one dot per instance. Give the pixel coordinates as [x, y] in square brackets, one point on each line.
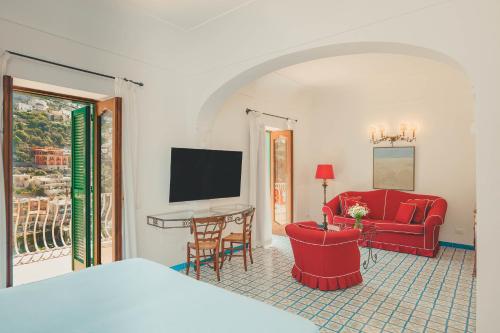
[42, 228]
[280, 201]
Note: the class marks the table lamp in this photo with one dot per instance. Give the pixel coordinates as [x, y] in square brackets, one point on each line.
[325, 172]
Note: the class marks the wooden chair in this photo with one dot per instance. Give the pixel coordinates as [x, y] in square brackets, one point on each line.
[207, 235]
[242, 238]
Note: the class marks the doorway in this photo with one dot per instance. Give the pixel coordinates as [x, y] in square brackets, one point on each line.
[281, 175]
[62, 164]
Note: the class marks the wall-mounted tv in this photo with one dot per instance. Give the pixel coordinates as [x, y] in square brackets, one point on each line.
[198, 174]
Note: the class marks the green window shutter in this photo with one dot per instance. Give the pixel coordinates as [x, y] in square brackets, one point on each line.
[80, 185]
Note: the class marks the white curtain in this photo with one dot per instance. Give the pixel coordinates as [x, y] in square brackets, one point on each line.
[127, 91]
[259, 189]
[3, 237]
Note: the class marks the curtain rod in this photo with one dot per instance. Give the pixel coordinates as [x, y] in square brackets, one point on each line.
[71, 67]
[270, 115]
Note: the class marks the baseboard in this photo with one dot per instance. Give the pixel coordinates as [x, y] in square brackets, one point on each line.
[182, 266]
[457, 245]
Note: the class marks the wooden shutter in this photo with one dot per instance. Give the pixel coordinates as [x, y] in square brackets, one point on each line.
[81, 187]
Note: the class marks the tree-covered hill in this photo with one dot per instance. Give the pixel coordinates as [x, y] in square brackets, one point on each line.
[48, 126]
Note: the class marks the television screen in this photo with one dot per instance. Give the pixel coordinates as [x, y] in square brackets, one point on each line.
[197, 174]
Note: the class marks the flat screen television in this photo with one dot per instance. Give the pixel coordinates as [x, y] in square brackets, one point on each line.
[198, 174]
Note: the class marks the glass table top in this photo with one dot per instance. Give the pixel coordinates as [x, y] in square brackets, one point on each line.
[172, 219]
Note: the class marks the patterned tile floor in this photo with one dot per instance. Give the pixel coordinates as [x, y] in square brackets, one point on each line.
[400, 293]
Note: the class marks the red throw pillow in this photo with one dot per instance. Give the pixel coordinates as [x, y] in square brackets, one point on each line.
[349, 202]
[343, 198]
[421, 211]
[405, 212]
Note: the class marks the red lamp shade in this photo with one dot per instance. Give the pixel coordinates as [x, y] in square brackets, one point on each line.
[325, 171]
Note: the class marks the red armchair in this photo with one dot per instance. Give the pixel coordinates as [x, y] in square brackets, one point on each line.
[323, 259]
[420, 239]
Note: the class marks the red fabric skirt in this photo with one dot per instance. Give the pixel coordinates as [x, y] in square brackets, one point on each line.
[326, 283]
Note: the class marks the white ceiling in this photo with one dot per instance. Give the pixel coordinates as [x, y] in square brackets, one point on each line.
[343, 70]
[188, 14]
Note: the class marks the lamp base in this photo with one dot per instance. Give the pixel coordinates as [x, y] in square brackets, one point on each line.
[325, 185]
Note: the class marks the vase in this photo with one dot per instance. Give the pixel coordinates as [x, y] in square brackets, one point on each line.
[358, 224]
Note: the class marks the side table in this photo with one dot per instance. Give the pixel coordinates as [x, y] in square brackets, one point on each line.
[367, 235]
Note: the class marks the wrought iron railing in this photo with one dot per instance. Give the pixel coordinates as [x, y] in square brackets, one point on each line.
[42, 227]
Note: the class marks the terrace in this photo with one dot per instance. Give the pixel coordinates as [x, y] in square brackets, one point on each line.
[42, 237]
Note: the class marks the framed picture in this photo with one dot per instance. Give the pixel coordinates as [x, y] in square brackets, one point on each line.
[394, 168]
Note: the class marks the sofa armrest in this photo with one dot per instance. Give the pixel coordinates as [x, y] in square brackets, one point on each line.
[331, 208]
[433, 221]
[436, 214]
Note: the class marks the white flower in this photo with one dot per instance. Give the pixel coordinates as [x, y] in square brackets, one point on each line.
[358, 211]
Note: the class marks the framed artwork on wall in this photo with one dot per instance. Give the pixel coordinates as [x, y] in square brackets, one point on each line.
[394, 168]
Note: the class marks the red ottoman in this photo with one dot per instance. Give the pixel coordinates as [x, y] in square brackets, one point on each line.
[326, 260]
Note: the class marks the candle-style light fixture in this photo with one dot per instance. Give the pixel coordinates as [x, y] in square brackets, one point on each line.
[407, 133]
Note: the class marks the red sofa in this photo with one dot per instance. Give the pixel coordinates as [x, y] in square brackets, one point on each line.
[324, 260]
[420, 239]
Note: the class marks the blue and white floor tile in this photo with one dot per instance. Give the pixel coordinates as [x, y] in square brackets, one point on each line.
[400, 293]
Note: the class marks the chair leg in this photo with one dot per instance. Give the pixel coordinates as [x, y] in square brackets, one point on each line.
[250, 250]
[245, 256]
[213, 258]
[231, 253]
[188, 261]
[216, 265]
[222, 255]
[198, 266]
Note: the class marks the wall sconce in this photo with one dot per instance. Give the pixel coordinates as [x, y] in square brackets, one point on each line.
[406, 134]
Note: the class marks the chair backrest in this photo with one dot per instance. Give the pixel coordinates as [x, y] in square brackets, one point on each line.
[207, 228]
[247, 217]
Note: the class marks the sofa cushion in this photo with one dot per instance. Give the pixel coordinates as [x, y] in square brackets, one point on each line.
[350, 202]
[405, 212]
[375, 201]
[394, 198]
[344, 202]
[386, 226]
[338, 219]
[423, 206]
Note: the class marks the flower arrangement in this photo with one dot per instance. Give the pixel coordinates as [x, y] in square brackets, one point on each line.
[358, 211]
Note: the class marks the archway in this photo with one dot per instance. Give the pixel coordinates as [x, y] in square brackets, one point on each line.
[211, 104]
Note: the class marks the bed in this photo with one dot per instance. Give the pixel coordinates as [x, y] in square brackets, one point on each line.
[137, 296]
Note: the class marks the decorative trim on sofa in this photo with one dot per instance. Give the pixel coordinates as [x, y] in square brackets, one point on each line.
[326, 245]
[413, 247]
[326, 277]
[406, 249]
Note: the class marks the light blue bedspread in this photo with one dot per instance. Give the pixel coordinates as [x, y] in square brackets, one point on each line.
[137, 296]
